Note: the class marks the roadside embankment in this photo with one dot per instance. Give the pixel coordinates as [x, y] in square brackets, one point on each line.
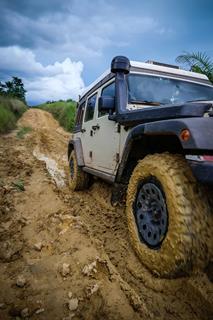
[11, 109]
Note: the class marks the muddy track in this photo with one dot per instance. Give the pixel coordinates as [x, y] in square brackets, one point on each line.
[78, 229]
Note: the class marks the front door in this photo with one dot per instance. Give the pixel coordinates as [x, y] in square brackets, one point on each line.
[106, 145]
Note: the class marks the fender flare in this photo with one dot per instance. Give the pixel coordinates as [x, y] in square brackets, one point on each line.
[77, 147]
[200, 129]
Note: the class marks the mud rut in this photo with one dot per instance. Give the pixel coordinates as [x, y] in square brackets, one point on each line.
[78, 228]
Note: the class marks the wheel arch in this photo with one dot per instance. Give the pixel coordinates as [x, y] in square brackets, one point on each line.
[137, 147]
[70, 148]
[75, 144]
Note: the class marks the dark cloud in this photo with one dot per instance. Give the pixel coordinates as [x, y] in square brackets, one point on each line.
[76, 28]
[19, 21]
[35, 8]
[47, 24]
[92, 32]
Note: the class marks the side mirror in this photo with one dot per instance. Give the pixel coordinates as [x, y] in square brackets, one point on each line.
[106, 104]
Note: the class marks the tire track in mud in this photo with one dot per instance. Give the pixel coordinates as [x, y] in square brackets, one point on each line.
[42, 274]
[162, 296]
[183, 298]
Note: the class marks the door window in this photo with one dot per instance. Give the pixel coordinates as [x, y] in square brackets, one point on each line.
[79, 116]
[90, 109]
[108, 91]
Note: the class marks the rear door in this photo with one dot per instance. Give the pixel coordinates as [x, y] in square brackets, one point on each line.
[87, 132]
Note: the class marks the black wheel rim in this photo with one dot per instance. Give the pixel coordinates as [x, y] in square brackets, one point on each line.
[150, 212]
[71, 168]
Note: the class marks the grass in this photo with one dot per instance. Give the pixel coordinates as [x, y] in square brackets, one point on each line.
[11, 110]
[63, 111]
[22, 131]
[19, 184]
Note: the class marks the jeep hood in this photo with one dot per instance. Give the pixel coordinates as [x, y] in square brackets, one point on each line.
[186, 110]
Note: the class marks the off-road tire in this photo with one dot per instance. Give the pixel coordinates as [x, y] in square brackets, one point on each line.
[187, 244]
[80, 179]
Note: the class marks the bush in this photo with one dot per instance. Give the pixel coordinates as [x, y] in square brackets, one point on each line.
[7, 119]
[63, 111]
[10, 111]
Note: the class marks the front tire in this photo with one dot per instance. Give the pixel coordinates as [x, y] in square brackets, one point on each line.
[167, 192]
[78, 179]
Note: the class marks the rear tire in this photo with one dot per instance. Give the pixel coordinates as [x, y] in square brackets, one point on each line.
[78, 179]
[188, 240]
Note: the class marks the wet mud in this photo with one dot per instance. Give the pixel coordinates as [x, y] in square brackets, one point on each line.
[67, 255]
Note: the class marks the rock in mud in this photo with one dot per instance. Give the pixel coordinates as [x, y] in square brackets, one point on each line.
[25, 313]
[38, 311]
[89, 269]
[73, 304]
[9, 250]
[65, 269]
[38, 246]
[92, 289]
[20, 281]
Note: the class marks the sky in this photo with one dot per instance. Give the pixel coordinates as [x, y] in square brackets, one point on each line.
[58, 47]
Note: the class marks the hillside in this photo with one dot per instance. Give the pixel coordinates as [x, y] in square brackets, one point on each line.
[63, 111]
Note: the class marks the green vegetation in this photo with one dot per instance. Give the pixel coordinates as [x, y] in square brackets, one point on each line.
[13, 88]
[63, 111]
[19, 184]
[12, 103]
[197, 62]
[22, 131]
[11, 110]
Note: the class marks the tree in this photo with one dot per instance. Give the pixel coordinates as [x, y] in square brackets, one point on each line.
[2, 88]
[13, 88]
[198, 62]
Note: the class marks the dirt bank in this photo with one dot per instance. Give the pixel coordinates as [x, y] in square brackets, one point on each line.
[67, 255]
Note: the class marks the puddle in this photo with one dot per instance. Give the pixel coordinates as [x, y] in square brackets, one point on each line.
[57, 174]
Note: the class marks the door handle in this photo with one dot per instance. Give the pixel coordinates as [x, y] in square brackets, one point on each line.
[97, 127]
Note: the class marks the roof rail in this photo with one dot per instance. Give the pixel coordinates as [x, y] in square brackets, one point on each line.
[162, 64]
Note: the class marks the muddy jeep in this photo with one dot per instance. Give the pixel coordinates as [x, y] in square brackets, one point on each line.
[147, 128]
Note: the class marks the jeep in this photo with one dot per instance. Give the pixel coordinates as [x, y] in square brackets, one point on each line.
[147, 128]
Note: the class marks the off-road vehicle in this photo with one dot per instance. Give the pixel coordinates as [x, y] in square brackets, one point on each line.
[148, 129]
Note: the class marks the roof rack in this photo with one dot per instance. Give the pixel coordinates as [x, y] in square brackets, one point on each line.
[163, 64]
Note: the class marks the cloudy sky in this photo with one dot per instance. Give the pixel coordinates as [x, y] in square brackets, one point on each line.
[59, 46]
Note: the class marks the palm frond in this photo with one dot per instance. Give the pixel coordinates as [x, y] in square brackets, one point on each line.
[199, 62]
[199, 59]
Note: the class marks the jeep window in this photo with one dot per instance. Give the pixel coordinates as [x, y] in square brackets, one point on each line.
[156, 90]
[79, 116]
[108, 91]
[90, 108]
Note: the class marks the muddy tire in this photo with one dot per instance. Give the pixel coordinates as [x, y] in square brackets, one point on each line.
[78, 179]
[186, 244]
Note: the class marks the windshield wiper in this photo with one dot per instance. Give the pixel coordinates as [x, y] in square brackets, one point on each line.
[146, 102]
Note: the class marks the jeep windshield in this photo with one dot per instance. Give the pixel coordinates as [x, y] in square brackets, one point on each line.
[156, 90]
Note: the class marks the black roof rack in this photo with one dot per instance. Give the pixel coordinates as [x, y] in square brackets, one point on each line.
[163, 64]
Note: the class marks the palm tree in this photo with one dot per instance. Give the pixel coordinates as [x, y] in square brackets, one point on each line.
[198, 62]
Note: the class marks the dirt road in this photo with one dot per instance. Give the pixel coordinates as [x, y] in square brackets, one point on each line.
[67, 255]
